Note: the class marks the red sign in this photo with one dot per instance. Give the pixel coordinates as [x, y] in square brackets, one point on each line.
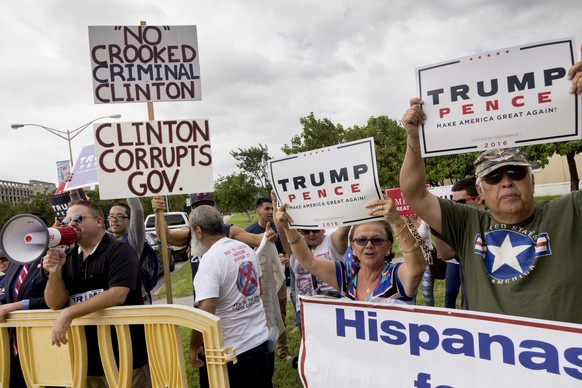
[403, 209]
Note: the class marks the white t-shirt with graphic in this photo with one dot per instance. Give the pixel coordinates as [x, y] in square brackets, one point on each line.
[230, 271]
[303, 279]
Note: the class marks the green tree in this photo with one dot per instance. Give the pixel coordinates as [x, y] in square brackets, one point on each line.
[315, 134]
[177, 203]
[389, 143]
[236, 192]
[37, 204]
[439, 169]
[542, 152]
[254, 161]
[6, 212]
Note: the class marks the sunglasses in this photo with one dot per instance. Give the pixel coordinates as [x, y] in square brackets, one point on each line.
[116, 218]
[515, 173]
[363, 241]
[3, 259]
[77, 218]
[308, 232]
[464, 200]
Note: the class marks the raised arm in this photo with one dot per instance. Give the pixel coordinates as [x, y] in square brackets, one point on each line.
[411, 271]
[322, 268]
[575, 74]
[176, 237]
[136, 236]
[413, 173]
[282, 235]
[251, 239]
[339, 239]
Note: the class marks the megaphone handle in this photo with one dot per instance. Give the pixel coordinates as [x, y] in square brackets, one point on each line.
[60, 248]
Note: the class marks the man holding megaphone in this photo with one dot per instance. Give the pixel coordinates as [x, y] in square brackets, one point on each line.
[99, 272]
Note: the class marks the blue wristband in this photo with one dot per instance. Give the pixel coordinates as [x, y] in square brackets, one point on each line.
[25, 304]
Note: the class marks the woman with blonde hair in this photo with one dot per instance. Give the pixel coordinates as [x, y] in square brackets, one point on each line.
[370, 275]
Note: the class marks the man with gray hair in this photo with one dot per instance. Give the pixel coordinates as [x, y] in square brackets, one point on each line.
[518, 257]
[227, 285]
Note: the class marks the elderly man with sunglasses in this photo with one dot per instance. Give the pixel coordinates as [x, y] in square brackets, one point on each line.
[518, 257]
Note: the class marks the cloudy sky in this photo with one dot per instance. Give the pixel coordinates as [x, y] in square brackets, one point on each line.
[264, 64]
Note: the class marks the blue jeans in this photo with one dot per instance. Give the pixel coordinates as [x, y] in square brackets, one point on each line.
[427, 287]
[452, 285]
[296, 317]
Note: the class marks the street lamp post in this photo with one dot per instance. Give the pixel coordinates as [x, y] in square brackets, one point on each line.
[67, 135]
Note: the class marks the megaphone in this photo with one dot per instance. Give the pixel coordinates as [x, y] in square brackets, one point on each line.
[25, 238]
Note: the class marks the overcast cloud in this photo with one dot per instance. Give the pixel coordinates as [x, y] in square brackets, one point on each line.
[264, 64]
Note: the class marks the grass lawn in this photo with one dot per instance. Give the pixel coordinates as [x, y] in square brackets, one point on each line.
[284, 376]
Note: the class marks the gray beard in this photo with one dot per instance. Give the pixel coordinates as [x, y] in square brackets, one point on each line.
[197, 249]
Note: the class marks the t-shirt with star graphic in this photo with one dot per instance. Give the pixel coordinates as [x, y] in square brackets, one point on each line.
[531, 269]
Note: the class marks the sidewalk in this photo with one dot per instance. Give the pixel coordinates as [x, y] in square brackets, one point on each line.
[185, 301]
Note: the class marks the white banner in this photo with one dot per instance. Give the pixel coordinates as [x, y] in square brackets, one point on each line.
[144, 63]
[84, 172]
[137, 159]
[442, 191]
[357, 344]
[504, 98]
[328, 187]
[273, 276]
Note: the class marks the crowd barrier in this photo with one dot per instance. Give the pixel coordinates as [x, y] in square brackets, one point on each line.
[46, 365]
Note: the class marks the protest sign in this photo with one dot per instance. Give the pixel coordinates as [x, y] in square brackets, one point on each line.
[59, 204]
[402, 208]
[442, 191]
[63, 168]
[137, 159]
[144, 63]
[60, 201]
[505, 98]
[359, 344]
[84, 172]
[328, 187]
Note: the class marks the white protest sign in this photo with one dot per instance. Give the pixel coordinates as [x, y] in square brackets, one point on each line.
[328, 187]
[442, 191]
[137, 159]
[357, 344]
[144, 63]
[84, 172]
[505, 98]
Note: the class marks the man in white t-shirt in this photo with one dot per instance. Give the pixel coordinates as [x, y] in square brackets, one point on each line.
[227, 285]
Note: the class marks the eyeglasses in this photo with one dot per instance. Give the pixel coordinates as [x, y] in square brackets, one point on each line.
[76, 218]
[308, 232]
[464, 200]
[515, 173]
[116, 218]
[363, 241]
[3, 259]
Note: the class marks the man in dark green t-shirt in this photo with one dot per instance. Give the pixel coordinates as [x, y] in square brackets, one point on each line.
[518, 257]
